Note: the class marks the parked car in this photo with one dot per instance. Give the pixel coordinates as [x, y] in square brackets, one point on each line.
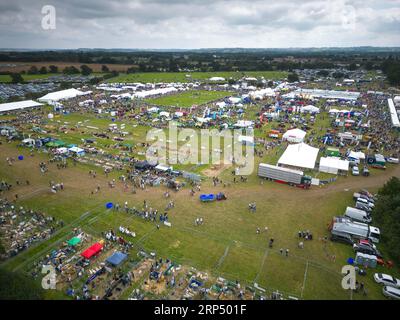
[365, 172]
[357, 195]
[393, 160]
[366, 249]
[367, 193]
[355, 171]
[391, 292]
[367, 202]
[367, 243]
[363, 206]
[386, 280]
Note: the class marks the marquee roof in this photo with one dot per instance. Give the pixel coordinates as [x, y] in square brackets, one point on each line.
[299, 155]
[4, 107]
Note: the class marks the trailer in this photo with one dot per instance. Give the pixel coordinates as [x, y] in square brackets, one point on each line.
[284, 175]
[377, 161]
[343, 227]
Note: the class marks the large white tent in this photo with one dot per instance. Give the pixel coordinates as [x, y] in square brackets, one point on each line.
[325, 94]
[310, 108]
[62, 95]
[294, 135]
[4, 107]
[393, 114]
[299, 155]
[262, 94]
[154, 92]
[243, 124]
[333, 165]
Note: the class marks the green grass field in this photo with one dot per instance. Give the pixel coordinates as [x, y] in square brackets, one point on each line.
[226, 245]
[154, 77]
[189, 98]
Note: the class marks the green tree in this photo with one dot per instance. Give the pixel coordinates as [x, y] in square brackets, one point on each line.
[293, 77]
[386, 215]
[43, 70]
[85, 70]
[104, 68]
[53, 69]
[16, 78]
[33, 70]
[70, 70]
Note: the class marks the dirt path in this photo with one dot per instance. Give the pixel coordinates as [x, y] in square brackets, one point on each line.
[373, 181]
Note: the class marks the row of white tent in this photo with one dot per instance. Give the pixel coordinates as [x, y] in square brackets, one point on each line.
[301, 155]
[393, 114]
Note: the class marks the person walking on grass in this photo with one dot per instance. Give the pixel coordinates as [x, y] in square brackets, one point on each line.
[271, 242]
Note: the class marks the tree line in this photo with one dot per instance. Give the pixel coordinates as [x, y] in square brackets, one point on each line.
[386, 216]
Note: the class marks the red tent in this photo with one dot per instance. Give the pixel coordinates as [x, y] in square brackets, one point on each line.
[93, 250]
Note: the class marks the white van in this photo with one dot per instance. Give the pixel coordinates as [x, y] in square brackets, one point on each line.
[357, 215]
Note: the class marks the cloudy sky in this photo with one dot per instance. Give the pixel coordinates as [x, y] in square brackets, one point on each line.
[200, 23]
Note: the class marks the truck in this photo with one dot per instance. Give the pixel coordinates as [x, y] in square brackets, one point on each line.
[357, 215]
[345, 227]
[284, 175]
[377, 161]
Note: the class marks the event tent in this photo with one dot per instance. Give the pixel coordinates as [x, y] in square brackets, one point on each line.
[4, 107]
[73, 241]
[235, 100]
[244, 124]
[333, 165]
[310, 108]
[153, 92]
[262, 94]
[299, 155]
[92, 251]
[393, 114]
[217, 79]
[116, 258]
[78, 151]
[294, 135]
[246, 140]
[62, 95]
[356, 155]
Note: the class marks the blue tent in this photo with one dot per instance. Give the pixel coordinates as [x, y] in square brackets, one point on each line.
[117, 258]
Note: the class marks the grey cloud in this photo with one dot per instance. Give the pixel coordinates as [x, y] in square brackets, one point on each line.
[198, 23]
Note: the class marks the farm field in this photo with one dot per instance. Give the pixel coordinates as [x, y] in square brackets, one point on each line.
[152, 77]
[189, 98]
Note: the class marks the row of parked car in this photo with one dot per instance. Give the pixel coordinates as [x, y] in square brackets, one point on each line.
[354, 228]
